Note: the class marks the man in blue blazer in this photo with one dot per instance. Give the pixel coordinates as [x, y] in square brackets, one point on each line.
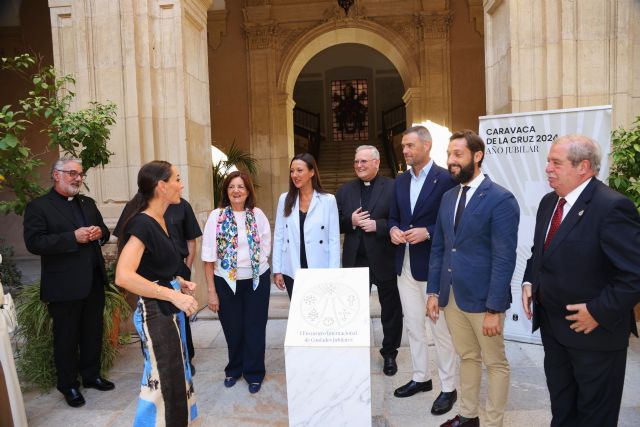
[412, 218]
[472, 261]
[584, 279]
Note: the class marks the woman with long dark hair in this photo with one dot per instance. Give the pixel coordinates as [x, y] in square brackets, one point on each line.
[307, 232]
[148, 263]
[235, 251]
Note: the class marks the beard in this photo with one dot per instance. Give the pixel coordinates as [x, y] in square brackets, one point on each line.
[465, 174]
[70, 189]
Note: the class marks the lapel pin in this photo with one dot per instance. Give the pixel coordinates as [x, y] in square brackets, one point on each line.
[581, 212]
[435, 181]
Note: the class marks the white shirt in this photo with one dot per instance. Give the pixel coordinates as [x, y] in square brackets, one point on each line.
[210, 247]
[570, 199]
[473, 186]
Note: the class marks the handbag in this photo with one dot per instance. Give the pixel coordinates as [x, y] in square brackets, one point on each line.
[8, 310]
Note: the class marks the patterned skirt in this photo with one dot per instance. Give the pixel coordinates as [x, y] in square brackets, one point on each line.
[166, 392]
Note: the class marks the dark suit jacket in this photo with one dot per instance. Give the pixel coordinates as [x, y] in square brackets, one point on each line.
[66, 266]
[425, 213]
[593, 258]
[479, 259]
[380, 250]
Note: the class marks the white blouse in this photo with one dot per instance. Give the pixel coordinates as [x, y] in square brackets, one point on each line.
[210, 247]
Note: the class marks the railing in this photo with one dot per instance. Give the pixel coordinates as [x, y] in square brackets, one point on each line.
[393, 122]
[307, 125]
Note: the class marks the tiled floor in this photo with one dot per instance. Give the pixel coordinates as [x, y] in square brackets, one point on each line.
[528, 398]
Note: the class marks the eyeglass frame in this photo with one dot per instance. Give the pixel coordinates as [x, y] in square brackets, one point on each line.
[73, 174]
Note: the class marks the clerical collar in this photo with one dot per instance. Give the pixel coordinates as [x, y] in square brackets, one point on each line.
[63, 197]
[369, 183]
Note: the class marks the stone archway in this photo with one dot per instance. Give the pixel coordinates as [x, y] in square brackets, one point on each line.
[360, 32]
[279, 45]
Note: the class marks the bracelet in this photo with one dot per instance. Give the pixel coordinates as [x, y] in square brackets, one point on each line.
[158, 288]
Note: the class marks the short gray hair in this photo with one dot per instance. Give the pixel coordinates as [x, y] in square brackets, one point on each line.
[59, 164]
[374, 151]
[423, 133]
[581, 148]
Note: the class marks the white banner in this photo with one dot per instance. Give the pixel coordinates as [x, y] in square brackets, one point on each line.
[516, 156]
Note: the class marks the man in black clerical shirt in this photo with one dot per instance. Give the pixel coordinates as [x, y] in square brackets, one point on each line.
[67, 230]
[363, 204]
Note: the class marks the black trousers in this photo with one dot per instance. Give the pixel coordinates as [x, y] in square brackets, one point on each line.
[390, 314]
[585, 386]
[77, 336]
[288, 283]
[243, 317]
[390, 308]
[185, 273]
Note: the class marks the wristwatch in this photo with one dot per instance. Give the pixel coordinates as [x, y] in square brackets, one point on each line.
[490, 311]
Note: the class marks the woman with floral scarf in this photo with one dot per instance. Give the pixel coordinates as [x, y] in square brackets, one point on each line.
[235, 250]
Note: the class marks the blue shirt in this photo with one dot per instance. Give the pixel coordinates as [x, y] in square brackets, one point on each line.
[417, 182]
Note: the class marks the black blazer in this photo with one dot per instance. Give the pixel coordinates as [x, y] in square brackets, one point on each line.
[66, 266]
[425, 213]
[379, 248]
[593, 258]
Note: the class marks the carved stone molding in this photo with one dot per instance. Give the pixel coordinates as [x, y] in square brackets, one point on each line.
[436, 25]
[257, 2]
[476, 14]
[409, 27]
[260, 36]
[336, 14]
[216, 27]
[286, 36]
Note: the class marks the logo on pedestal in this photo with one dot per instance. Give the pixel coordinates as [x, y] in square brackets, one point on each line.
[330, 305]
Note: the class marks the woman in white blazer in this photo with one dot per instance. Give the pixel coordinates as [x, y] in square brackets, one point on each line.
[307, 232]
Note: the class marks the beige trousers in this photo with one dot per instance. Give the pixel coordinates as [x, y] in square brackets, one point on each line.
[413, 296]
[474, 349]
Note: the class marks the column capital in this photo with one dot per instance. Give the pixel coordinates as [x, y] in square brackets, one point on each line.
[260, 36]
[435, 25]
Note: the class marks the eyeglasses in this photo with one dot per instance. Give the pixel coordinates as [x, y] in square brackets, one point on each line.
[360, 162]
[73, 174]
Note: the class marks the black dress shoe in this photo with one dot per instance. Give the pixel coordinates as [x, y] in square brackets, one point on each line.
[444, 402]
[411, 388]
[458, 421]
[73, 397]
[99, 384]
[390, 366]
[230, 381]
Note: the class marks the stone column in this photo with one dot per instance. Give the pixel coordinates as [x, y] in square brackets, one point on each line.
[150, 58]
[562, 54]
[434, 63]
[269, 132]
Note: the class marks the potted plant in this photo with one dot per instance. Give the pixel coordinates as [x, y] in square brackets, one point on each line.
[624, 173]
[34, 336]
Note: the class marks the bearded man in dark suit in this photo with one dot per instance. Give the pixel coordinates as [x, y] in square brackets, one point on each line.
[583, 278]
[67, 230]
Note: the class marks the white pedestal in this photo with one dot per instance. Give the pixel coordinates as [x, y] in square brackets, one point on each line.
[327, 353]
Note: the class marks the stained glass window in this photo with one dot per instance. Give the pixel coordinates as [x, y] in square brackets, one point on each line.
[350, 105]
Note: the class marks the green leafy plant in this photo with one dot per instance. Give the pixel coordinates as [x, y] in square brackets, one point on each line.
[35, 335]
[10, 276]
[83, 133]
[235, 157]
[624, 173]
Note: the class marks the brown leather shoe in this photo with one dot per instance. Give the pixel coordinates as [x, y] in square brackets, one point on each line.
[458, 422]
